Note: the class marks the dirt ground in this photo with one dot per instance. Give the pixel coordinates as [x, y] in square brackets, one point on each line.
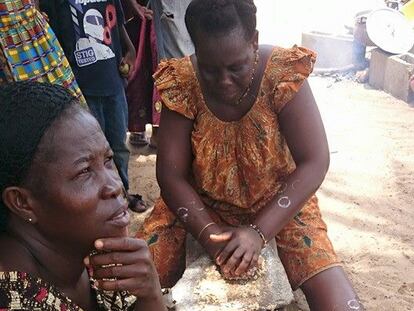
[367, 198]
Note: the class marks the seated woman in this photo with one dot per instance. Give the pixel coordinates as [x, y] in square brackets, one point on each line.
[242, 151]
[63, 212]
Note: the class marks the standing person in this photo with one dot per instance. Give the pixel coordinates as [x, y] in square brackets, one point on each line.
[63, 215]
[172, 41]
[247, 154]
[141, 93]
[29, 49]
[94, 38]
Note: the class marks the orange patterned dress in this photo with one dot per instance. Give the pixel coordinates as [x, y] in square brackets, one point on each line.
[239, 167]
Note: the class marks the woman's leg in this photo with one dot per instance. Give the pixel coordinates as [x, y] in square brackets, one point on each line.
[331, 290]
[311, 263]
[166, 240]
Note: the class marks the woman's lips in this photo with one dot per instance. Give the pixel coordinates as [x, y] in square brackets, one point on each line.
[227, 94]
[121, 218]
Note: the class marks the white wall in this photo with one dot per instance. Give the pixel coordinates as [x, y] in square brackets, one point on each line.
[282, 22]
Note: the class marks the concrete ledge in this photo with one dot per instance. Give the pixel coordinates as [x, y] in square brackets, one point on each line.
[334, 51]
[399, 70]
[377, 66]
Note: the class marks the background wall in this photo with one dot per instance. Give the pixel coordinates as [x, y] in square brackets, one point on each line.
[282, 22]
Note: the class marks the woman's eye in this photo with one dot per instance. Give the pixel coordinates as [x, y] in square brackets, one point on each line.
[109, 159]
[84, 171]
[209, 71]
[236, 68]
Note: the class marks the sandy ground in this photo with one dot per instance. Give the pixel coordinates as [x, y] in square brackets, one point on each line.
[367, 198]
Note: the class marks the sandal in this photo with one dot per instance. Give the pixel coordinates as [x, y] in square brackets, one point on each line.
[153, 140]
[136, 203]
[138, 139]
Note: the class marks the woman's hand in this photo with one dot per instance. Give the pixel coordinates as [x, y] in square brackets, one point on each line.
[241, 252]
[124, 264]
[140, 10]
[127, 63]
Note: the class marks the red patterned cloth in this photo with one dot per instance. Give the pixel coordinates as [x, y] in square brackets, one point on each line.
[144, 105]
[20, 291]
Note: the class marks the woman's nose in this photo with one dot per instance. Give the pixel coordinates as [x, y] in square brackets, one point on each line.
[113, 186]
[225, 79]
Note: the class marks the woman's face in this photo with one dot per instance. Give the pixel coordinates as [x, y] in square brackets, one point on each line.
[80, 197]
[225, 64]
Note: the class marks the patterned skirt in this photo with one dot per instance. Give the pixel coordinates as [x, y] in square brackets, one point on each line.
[29, 50]
[303, 244]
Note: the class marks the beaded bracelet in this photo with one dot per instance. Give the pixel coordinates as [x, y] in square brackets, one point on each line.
[260, 233]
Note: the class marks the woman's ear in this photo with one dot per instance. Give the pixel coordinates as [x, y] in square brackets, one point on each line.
[255, 40]
[18, 200]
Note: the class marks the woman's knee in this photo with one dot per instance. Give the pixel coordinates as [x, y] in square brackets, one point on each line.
[331, 290]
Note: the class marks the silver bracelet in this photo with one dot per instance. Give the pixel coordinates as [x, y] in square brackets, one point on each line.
[260, 233]
[204, 228]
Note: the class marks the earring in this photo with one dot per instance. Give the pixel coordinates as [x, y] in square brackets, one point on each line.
[30, 220]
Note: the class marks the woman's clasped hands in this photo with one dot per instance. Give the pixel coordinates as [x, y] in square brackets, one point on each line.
[241, 250]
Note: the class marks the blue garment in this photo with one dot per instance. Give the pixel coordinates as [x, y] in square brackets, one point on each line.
[88, 31]
[112, 115]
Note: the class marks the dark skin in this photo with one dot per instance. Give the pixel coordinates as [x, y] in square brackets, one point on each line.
[224, 66]
[130, 53]
[78, 205]
[137, 9]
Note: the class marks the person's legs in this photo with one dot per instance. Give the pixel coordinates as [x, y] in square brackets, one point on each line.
[115, 111]
[95, 104]
[116, 121]
[154, 137]
[311, 263]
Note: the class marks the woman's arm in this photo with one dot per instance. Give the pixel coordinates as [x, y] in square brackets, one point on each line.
[174, 160]
[303, 130]
[136, 9]
[130, 53]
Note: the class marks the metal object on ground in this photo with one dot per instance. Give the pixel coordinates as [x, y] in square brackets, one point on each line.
[390, 31]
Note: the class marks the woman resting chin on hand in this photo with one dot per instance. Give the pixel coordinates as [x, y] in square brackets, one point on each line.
[63, 211]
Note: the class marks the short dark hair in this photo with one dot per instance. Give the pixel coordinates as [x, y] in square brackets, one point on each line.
[27, 110]
[218, 17]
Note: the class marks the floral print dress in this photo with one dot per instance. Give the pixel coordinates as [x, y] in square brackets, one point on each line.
[239, 167]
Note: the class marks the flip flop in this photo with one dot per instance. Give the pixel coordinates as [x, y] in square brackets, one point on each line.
[138, 139]
[136, 203]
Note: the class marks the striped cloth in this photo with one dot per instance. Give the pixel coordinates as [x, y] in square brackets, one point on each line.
[29, 50]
